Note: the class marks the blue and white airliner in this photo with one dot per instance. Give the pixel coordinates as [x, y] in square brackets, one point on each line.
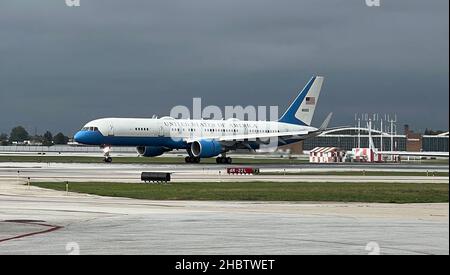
[206, 138]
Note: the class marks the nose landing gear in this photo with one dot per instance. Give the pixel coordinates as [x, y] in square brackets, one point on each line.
[107, 156]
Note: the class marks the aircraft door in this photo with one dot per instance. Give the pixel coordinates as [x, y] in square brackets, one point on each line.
[246, 129]
[191, 132]
[111, 130]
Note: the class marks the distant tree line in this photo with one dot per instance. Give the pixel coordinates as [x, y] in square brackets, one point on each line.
[19, 135]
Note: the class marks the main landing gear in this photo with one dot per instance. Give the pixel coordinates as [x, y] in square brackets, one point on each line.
[190, 159]
[219, 160]
[224, 160]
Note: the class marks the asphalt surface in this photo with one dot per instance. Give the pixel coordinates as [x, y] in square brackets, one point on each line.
[38, 221]
[213, 173]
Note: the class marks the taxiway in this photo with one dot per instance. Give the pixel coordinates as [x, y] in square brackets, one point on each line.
[212, 173]
[40, 221]
[37, 221]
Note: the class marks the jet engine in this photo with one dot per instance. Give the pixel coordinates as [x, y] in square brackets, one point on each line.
[206, 148]
[151, 151]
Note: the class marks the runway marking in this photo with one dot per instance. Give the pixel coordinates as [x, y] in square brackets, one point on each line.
[50, 227]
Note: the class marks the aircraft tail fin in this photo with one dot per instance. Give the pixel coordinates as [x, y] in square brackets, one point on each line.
[301, 111]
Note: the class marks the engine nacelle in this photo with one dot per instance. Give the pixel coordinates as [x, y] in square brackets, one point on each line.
[206, 148]
[150, 151]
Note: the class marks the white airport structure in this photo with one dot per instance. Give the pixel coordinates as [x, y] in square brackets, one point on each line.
[366, 155]
[327, 155]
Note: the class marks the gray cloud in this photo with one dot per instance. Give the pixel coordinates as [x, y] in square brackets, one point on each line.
[60, 67]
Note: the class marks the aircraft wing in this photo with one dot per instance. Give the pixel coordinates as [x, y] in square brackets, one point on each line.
[262, 136]
[230, 139]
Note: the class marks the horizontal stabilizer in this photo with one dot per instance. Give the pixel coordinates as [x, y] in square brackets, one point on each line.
[325, 123]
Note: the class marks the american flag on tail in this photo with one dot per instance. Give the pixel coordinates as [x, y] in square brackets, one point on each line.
[310, 100]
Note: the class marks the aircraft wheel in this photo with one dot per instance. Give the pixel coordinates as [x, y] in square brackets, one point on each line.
[224, 160]
[192, 159]
[108, 159]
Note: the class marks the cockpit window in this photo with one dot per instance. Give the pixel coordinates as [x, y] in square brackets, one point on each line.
[90, 129]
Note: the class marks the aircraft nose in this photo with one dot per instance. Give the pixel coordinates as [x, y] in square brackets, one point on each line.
[89, 137]
[79, 137]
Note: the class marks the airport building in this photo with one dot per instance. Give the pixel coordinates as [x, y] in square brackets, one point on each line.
[435, 143]
[354, 137]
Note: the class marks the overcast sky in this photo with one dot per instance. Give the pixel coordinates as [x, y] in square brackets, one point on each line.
[61, 67]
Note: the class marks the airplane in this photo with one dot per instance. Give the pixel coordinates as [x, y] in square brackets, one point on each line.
[207, 138]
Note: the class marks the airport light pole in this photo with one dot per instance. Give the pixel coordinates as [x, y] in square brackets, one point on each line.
[371, 144]
[392, 121]
[381, 136]
[392, 135]
[359, 132]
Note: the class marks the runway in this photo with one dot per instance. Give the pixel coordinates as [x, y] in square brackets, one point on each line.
[76, 223]
[212, 173]
[39, 221]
